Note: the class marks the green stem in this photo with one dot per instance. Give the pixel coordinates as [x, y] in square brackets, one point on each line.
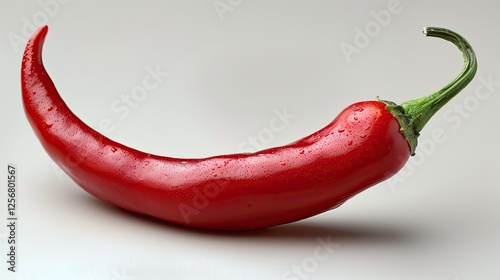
[414, 114]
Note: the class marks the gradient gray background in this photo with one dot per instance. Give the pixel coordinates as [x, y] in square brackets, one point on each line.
[229, 72]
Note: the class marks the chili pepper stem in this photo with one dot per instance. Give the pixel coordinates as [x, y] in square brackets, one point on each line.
[414, 114]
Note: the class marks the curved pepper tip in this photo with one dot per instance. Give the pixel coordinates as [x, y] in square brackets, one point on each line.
[42, 31]
[35, 45]
[40, 34]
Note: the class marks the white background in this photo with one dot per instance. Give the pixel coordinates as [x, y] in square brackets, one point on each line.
[231, 65]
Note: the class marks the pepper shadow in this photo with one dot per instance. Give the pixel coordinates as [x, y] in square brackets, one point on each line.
[340, 231]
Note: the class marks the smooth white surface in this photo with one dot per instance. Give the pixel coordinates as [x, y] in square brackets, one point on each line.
[229, 72]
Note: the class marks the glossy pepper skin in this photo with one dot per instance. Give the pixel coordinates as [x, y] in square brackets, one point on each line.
[362, 146]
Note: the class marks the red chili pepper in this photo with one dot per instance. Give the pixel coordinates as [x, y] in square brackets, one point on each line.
[365, 144]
